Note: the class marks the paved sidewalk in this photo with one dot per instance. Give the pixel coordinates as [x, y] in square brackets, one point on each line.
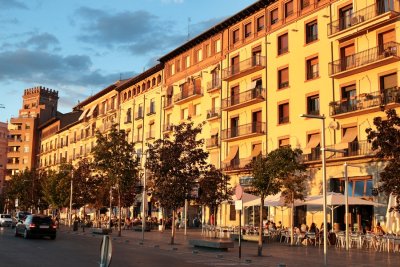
[274, 253]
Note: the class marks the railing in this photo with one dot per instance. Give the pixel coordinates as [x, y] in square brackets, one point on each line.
[283, 120]
[214, 84]
[365, 101]
[168, 102]
[358, 17]
[213, 113]
[244, 65]
[371, 55]
[151, 110]
[243, 97]
[150, 135]
[283, 85]
[311, 37]
[212, 142]
[237, 164]
[167, 127]
[356, 148]
[242, 130]
[138, 115]
[195, 91]
[313, 74]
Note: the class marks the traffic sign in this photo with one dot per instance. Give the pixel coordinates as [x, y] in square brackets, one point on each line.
[239, 192]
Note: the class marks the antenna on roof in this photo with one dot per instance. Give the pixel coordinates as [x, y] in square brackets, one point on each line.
[188, 29]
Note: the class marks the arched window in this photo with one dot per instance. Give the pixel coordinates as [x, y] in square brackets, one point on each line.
[148, 85]
[125, 95]
[129, 94]
[134, 91]
[138, 89]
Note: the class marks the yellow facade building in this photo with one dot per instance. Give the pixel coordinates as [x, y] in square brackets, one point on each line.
[250, 78]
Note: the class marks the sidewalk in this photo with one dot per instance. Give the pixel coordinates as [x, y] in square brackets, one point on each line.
[274, 253]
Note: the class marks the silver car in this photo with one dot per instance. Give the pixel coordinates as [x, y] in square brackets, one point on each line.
[5, 220]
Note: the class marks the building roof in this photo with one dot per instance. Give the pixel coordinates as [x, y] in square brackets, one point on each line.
[97, 95]
[139, 77]
[218, 28]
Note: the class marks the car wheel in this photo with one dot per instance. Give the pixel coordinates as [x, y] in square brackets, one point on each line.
[26, 234]
[16, 232]
[52, 237]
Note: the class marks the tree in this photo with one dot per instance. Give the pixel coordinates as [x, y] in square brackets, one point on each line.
[115, 159]
[385, 141]
[175, 164]
[213, 188]
[55, 189]
[265, 183]
[291, 173]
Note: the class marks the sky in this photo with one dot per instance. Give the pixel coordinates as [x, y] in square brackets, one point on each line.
[79, 47]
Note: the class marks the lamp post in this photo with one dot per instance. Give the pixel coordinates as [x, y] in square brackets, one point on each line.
[70, 198]
[322, 118]
[144, 205]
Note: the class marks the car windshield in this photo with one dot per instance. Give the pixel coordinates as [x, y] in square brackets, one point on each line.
[41, 220]
[6, 216]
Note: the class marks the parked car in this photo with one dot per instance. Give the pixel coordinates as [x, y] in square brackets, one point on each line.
[20, 216]
[5, 220]
[36, 226]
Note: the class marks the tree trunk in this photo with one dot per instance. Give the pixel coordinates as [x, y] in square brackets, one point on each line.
[260, 227]
[119, 213]
[215, 221]
[173, 227]
[292, 222]
[84, 218]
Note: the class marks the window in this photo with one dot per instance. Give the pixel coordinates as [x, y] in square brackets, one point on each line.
[284, 142]
[312, 68]
[313, 105]
[283, 44]
[128, 115]
[274, 16]
[199, 55]
[357, 186]
[172, 69]
[305, 3]
[283, 113]
[217, 46]
[197, 109]
[288, 8]
[152, 109]
[386, 39]
[247, 30]
[187, 61]
[260, 23]
[184, 114]
[235, 36]
[345, 15]
[232, 213]
[26, 149]
[27, 126]
[283, 78]
[311, 31]
[235, 65]
[140, 112]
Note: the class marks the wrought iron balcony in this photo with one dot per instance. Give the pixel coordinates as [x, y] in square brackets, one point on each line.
[243, 131]
[248, 97]
[237, 165]
[188, 95]
[214, 113]
[358, 17]
[356, 148]
[139, 115]
[354, 63]
[365, 101]
[212, 142]
[214, 85]
[244, 67]
[168, 102]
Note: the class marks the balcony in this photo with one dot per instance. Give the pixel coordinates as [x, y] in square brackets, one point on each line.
[214, 85]
[365, 60]
[365, 102]
[237, 165]
[356, 148]
[243, 68]
[212, 143]
[246, 98]
[243, 131]
[213, 114]
[151, 110]
[139, 115]
[167, 128]
[137, 139]
[362, 15]
[188, 95]
[168, 102]
[150, 135]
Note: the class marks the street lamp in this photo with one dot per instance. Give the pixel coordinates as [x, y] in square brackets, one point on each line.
[322, 118]
[70, 198]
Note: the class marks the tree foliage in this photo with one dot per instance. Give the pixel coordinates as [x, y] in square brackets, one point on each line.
[56, 189]
[385, 139]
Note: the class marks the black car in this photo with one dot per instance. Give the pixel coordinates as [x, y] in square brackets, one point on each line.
[36, 226]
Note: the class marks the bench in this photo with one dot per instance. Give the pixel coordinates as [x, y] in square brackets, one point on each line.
[212, 243]
[101, 231]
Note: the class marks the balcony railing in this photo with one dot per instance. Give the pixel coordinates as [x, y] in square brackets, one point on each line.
[214, 84]
[151, 110]
[365, 101]
[168, 102]
[390, 49]
[237, 165]
[150, 135]
[243, 66]
[138, 115]
[249, 95]
[167, 127]
[137, 139]
[243, 130]
[192, 92]
[213, 113]
[356, 148]
[212, 142]
[312, 74]
[358, 17]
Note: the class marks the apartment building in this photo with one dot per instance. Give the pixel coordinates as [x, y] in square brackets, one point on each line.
[250, 78]
[38, 106]
[3, 153]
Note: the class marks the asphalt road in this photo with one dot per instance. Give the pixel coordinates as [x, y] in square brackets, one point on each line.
[76, 249]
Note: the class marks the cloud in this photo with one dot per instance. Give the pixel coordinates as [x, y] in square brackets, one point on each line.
[9, 4]
[138, 32]
[40, 41]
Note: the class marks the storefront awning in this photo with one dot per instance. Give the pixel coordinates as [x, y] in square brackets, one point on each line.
[82, 116]
[314, 141]
[91, 111]
[252, 85]
[232, 153]
[349, 136]
[214, 131]
[256, 151]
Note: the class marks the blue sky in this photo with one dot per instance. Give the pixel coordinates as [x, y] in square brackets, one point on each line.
[79, 47]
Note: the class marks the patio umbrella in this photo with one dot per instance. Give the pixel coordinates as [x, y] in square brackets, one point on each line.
[392, 217]
[272, 201]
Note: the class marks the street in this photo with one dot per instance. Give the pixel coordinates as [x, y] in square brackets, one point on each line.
[83, 249]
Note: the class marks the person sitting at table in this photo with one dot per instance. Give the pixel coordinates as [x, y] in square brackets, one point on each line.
[378, 229]
[313, 228]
